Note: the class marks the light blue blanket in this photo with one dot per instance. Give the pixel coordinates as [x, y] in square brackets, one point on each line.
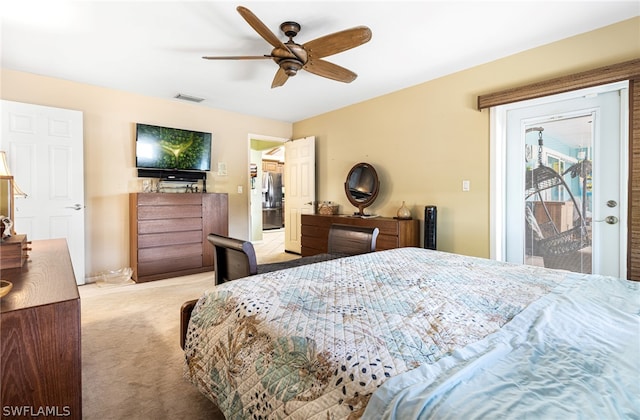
[573, 354]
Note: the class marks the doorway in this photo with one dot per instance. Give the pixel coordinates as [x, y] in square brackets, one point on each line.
[265, 203]
[562, 198]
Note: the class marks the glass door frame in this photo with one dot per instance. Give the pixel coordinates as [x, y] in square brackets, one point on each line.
[498, 134]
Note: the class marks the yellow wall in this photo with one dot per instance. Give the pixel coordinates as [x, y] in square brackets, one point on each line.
[109, 153]
[425, 140]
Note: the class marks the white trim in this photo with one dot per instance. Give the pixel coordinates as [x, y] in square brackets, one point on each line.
[258, 137]
[624, 178]
[497, 231]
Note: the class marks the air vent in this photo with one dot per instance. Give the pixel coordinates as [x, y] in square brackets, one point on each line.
[188, 98]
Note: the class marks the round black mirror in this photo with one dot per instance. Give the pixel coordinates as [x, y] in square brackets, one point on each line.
[362, 186]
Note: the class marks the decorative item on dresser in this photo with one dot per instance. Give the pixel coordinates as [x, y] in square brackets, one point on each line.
[362, 186]
[40, 357]
[328, 207]
[5, 287]
[403, 212]
[168, 232]
[7, 212]
[393, 233]
[14, 251]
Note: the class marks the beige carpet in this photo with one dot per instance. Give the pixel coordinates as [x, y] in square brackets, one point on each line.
[131, 356]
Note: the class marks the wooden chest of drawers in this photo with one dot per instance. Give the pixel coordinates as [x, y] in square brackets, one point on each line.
[168, 233]
[394, 233]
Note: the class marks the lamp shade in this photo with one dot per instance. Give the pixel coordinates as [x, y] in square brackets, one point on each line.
[4, 170]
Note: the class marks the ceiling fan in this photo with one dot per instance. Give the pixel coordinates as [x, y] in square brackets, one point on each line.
[292, 57]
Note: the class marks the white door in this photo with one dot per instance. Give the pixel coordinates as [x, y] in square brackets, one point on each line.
[579, 224]
[44, 147]
[300, 179]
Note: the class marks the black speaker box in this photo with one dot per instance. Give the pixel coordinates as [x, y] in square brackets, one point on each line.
[430, 226]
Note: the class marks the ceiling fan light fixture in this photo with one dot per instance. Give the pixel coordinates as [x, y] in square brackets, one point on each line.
[189, 98]
[290, 66]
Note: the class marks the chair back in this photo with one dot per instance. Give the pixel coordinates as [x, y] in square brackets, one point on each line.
[352, 240]
[233, 258]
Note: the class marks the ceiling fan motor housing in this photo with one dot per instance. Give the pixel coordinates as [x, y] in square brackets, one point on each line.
[291, 60]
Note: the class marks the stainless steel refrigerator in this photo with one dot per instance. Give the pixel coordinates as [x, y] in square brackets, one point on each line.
[272, 201]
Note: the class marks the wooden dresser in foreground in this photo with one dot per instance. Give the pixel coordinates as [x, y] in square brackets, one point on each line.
[394, 233]
[168, 233]
[40, 357]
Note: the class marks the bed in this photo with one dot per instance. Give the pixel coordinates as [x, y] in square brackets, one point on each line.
[417, 333]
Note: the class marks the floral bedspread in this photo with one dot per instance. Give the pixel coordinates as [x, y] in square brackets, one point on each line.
[316, 341]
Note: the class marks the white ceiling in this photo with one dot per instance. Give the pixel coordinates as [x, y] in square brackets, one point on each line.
[154, 48]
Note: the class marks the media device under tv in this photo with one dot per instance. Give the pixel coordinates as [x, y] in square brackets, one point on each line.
[172, 154]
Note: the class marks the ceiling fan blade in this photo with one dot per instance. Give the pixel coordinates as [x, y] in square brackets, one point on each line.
[338, 42]
[279, 79]
[329, 70]
[237, 57]
[260, 27]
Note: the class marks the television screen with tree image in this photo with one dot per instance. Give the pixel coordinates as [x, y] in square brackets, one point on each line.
[172, 148]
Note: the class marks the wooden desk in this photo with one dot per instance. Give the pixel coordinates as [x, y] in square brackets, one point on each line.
[40, 350]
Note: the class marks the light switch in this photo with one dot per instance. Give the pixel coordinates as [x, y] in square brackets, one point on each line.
[239, 189]
[466, 185]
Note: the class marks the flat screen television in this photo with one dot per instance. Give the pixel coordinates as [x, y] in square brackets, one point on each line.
[172, 149]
